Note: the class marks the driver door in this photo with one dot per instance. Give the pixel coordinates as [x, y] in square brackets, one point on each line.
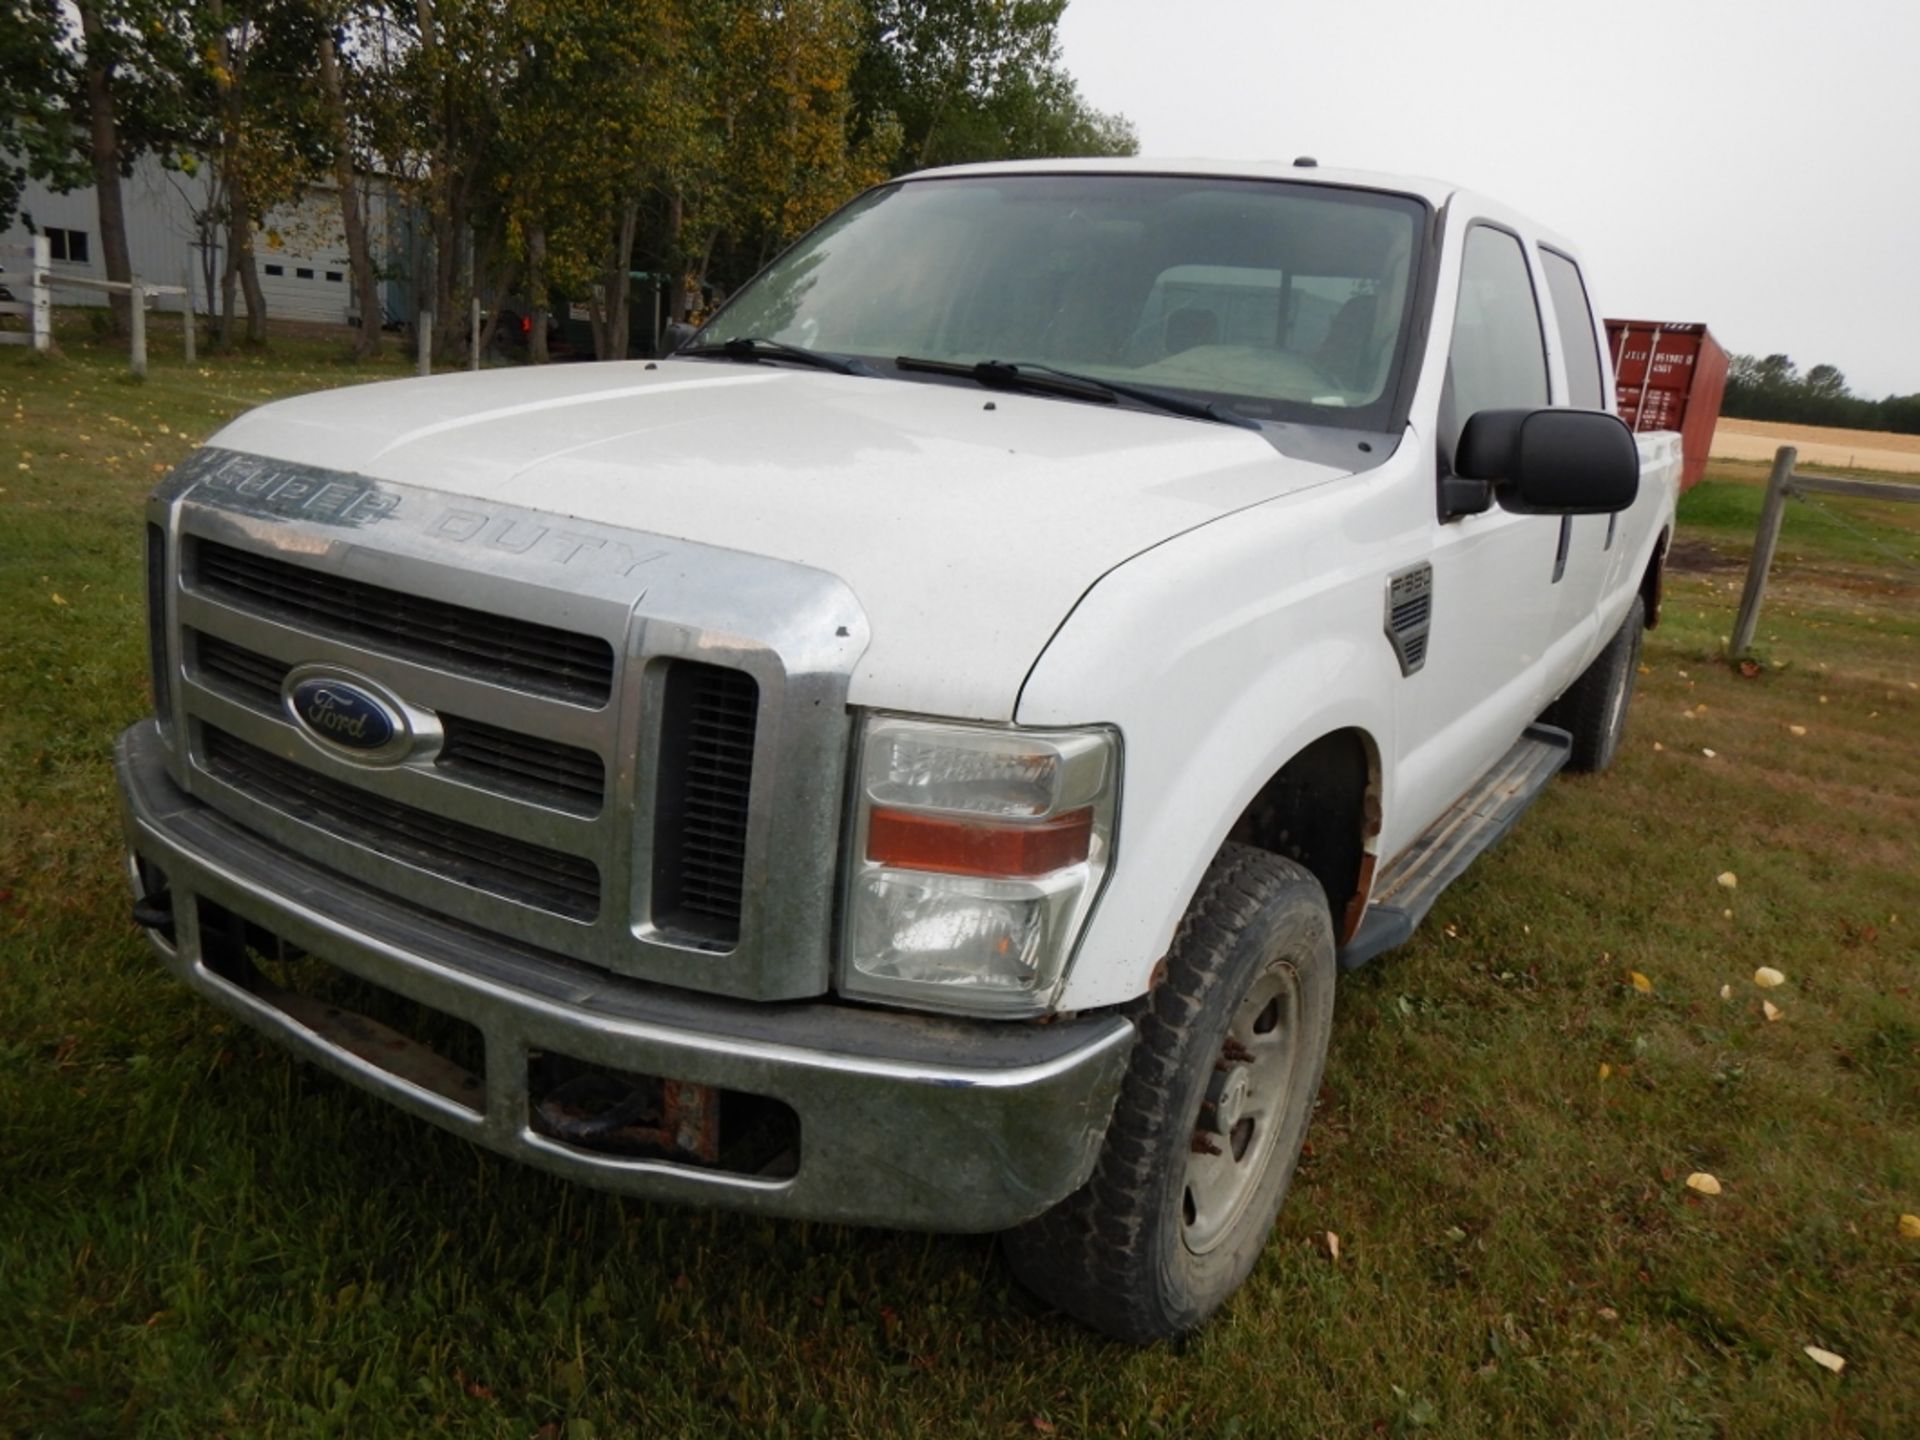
[1493, 602]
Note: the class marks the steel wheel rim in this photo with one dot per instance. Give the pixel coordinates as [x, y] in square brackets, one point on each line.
[1242, 1112]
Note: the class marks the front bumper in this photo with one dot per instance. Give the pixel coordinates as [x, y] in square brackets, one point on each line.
[904, 1120]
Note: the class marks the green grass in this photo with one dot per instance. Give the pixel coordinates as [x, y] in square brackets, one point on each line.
[199, 1236]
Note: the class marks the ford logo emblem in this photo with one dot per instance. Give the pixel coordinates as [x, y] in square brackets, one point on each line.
[341, 713]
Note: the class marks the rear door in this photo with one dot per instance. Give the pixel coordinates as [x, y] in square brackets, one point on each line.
[1587, 544]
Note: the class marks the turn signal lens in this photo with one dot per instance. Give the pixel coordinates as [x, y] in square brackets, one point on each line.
[908, 841]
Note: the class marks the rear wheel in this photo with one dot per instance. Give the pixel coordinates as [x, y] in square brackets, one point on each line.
[1594, 708]
[1211, 1116]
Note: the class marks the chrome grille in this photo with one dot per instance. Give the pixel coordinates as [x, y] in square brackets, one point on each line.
[526, 767]
[523, 765]
[506, 651]
[249, 677]
[513, 869]
[643, 740]
[706, 763]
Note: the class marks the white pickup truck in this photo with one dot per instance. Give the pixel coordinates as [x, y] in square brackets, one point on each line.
[921, 754]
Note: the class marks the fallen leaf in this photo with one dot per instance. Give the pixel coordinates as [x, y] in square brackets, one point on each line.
[1910, 1227]
[1701, 1181]
[1726, 992]
[1770, 1010]
[1333, 1247]
[1658, 746]
[1605, 1070]
[1640, 982]
[1796, 729]
[1726, 914]
[1607, 1313]
[1727, 880]
[1827, 1358]
[58, 598]
[1708, 753]
[1045, 1427]
[1766, 977]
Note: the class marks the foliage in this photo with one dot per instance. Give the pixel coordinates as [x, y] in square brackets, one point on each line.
[978, 80]
[146, 47]
[1771, 387]
[554, 146]
[39, 136]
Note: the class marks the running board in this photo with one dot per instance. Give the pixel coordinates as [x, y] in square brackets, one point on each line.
[1407, 888]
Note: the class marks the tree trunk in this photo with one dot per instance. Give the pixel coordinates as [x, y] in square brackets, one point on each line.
[537, 294]
[359, 253]
[250, 286]
[229, 273]
[104, 151]
[619, 287]
[240, 267]
[676, 263]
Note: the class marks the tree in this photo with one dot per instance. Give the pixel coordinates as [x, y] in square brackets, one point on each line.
[266, 130]
[977, 80]
[1824, 382]
[38, 137]
[89, 87]
[345, 175]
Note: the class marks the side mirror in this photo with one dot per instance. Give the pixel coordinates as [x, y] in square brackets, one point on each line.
[1551, 462]
[677, 333]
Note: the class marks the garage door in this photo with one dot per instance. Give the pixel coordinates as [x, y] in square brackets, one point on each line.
[305, 287]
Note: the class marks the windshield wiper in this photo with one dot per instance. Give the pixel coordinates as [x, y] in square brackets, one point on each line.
[754, 347]
[1030, 375]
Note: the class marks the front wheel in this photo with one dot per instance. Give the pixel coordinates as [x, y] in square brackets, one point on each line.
[1211, 1115]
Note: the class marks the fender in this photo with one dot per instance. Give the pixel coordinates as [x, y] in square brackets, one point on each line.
[1221, 655]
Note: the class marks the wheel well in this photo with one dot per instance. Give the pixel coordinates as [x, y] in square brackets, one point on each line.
[1652, 583]
[1322, 809]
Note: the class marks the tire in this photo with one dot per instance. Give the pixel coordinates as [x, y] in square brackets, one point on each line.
[1163, 1232]
[1594, 708]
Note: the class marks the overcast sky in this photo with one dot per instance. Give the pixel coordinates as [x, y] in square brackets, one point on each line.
[1751, 163]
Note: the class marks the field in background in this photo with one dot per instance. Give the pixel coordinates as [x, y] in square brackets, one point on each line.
[1819, 445]
[202, 1236]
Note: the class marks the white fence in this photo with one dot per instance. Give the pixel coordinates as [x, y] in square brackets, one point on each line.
[139, 290]
[25, 278]
[36, 280]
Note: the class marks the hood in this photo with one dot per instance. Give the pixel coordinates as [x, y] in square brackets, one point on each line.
[968, 522]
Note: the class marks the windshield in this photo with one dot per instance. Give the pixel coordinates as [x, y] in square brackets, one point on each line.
[1281, 300]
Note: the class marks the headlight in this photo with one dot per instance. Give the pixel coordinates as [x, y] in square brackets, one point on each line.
[977, 856]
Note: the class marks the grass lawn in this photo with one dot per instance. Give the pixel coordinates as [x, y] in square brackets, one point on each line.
[200, 1236]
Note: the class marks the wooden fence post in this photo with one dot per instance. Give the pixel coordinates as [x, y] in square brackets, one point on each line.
[137, 315]
[1766, 539]
[423, 338]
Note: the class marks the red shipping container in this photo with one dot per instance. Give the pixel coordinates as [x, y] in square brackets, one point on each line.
[1670, 377]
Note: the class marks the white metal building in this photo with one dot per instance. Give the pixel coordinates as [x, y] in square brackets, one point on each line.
[301, 251]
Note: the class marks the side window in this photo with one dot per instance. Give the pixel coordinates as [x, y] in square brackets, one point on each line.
[1574, 317]
[1498, 359]
[68, 245]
